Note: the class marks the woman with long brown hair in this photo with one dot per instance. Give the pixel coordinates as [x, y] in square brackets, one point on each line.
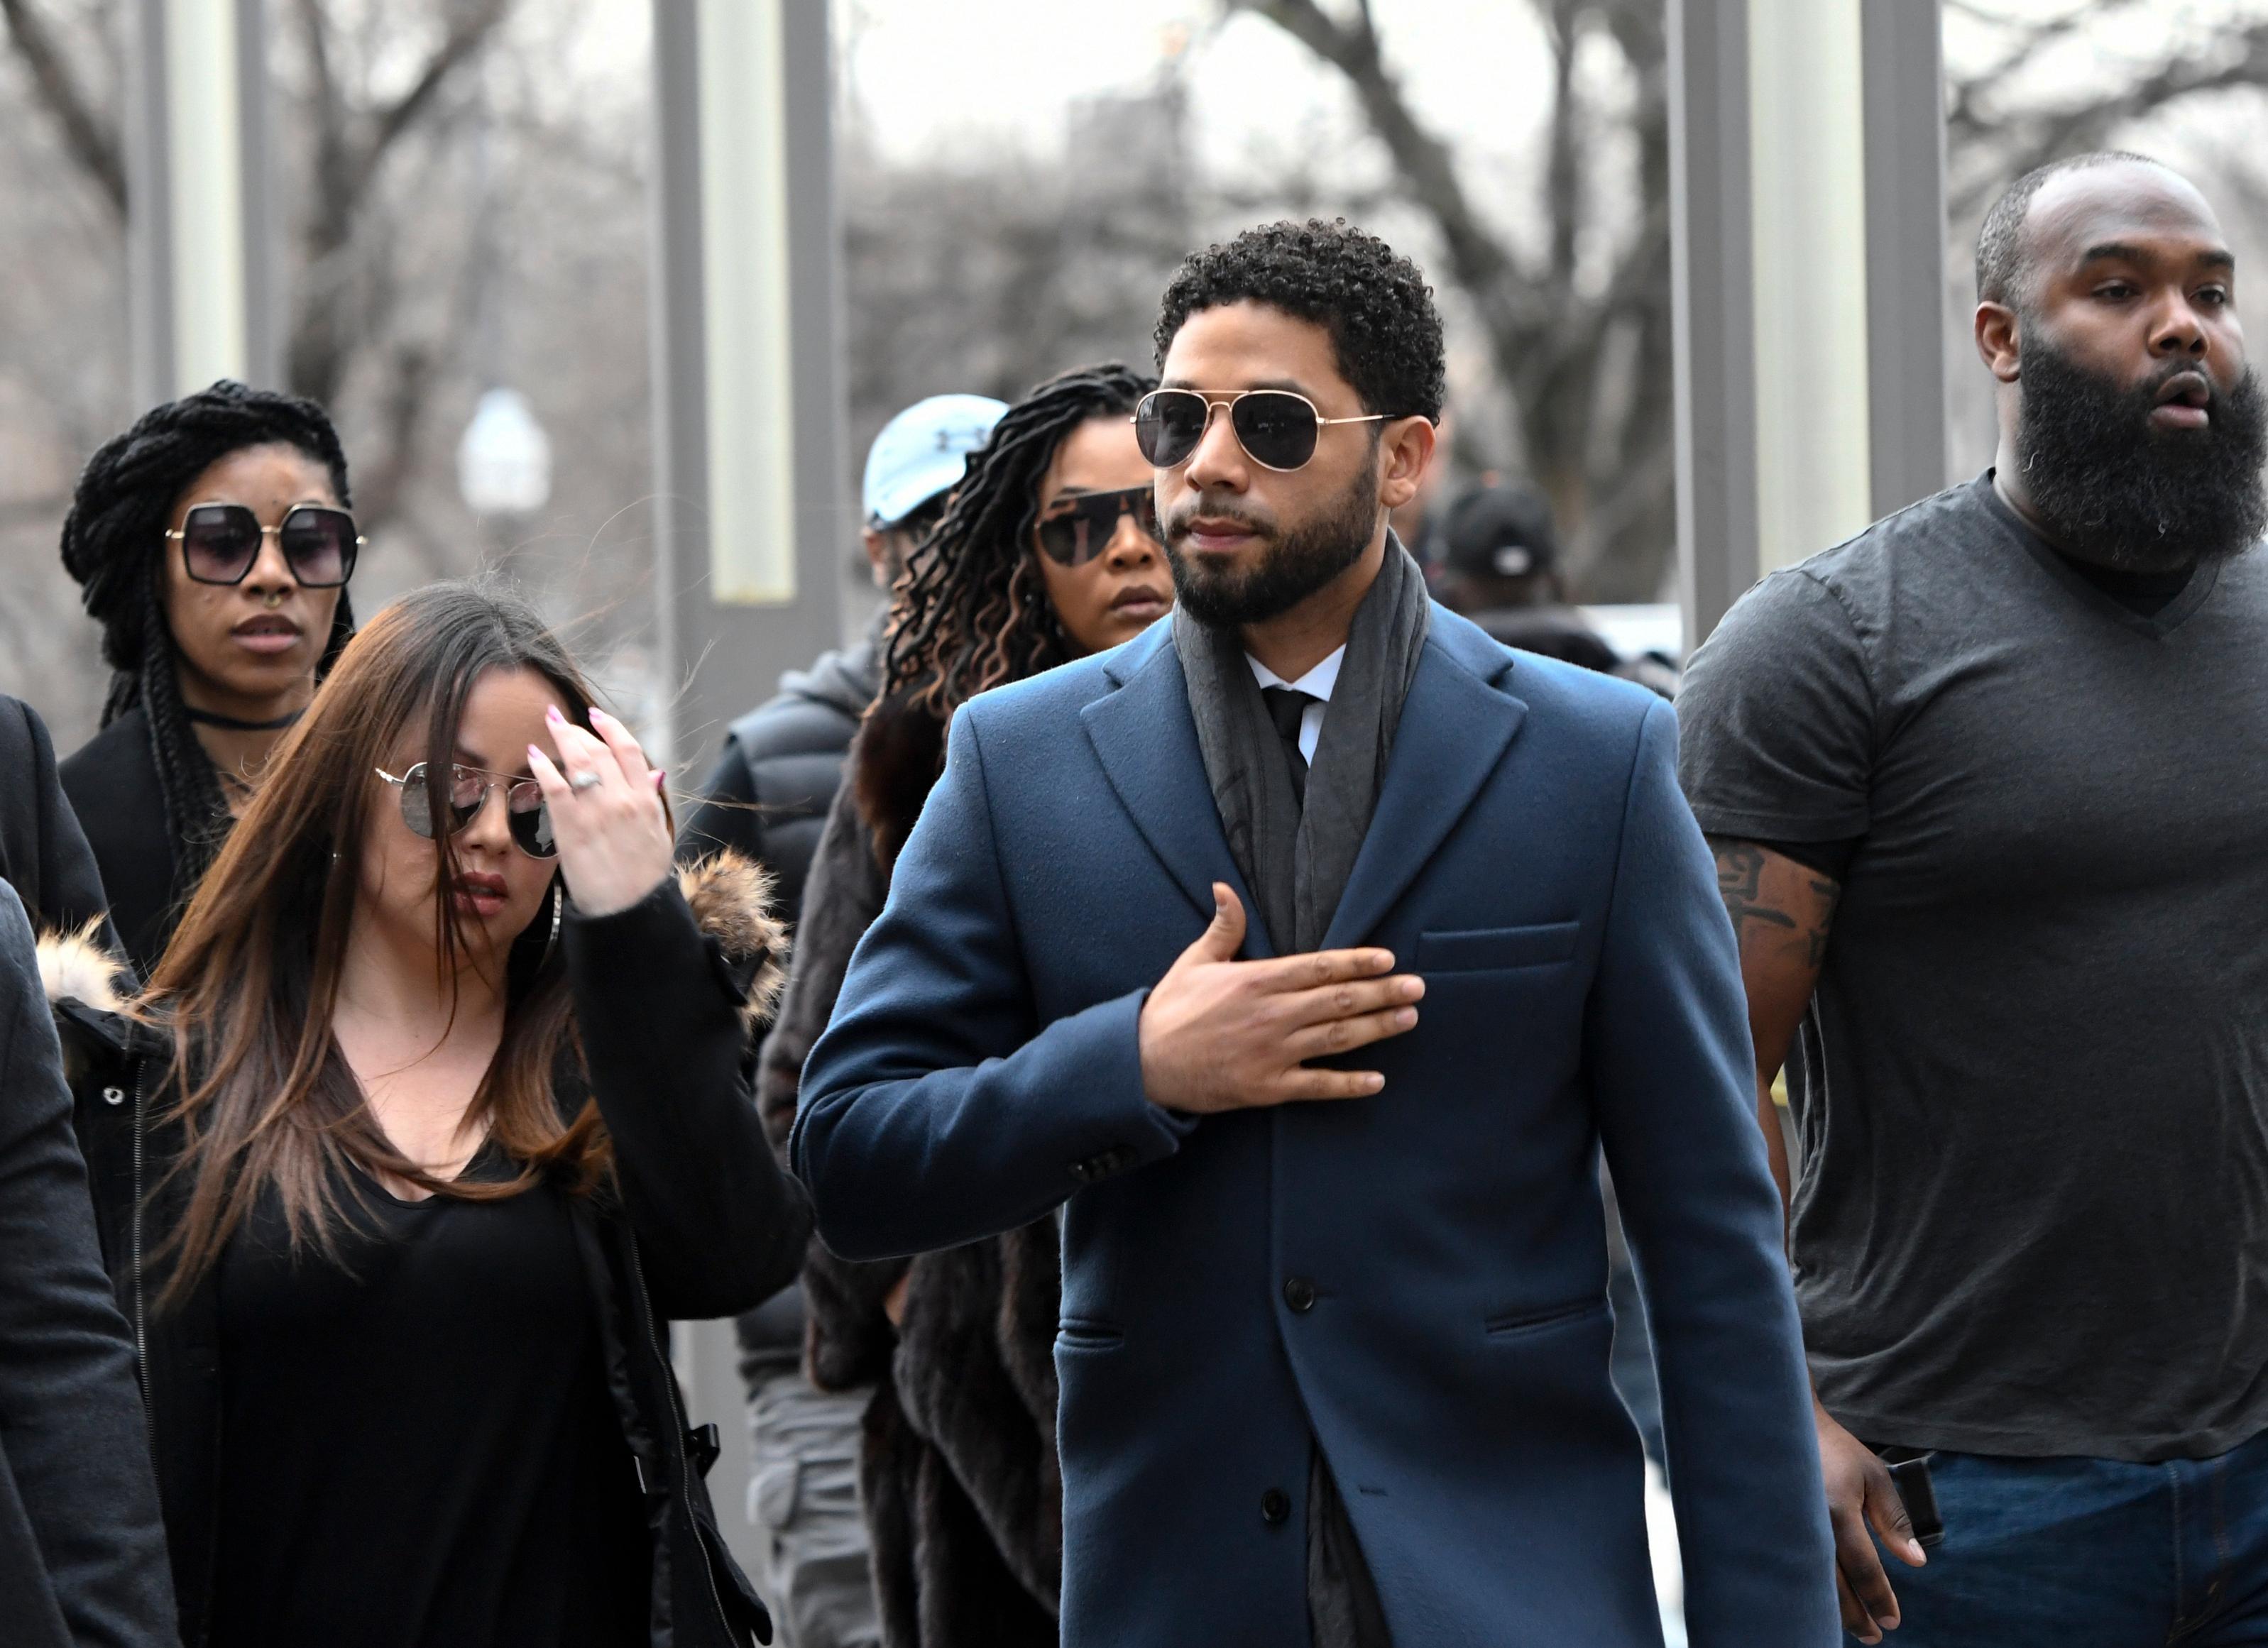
[1047, 552]
[432, 1119]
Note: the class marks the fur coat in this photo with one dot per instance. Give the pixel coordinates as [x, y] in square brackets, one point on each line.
[958, 1474]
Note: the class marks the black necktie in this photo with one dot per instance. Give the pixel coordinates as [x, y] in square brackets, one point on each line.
[1286, 705]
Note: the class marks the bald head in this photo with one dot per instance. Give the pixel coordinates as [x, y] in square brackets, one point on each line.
[2033, 216]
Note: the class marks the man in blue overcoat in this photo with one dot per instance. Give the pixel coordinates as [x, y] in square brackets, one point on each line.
[1307, 951]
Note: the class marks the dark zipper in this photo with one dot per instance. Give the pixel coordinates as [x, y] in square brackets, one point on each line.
[677, 1421]
[141, 1309]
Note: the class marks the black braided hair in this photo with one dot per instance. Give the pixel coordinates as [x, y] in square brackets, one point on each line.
[971, 611]
[113, 545]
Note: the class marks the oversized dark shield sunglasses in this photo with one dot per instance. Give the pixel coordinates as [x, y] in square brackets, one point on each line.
[1081, 529]
[220, 543]
[524, 810]
[1277, 429]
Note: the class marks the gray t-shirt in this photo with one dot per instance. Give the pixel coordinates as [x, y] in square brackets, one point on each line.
[2030, 1096]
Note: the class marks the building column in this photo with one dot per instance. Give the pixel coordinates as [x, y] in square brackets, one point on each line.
[203, 301]
[753, 512]
[1809, 259]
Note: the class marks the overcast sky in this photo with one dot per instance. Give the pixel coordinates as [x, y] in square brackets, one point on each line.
[927, 78]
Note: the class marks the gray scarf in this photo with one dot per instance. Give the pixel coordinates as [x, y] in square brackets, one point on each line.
[1297, 861]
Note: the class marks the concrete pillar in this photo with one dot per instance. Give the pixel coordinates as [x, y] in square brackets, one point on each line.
[753, 512]
[199, 221]
[753, 509]
[1808, 244]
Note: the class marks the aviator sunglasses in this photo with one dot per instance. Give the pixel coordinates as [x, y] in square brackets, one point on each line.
[1083, 527]
[524, 811]
[1277, 429]
[221, 541]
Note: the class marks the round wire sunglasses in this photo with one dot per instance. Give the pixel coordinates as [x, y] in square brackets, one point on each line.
[525, 814]
[1277, 428]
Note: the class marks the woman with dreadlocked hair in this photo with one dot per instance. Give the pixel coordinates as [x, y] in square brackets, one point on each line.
[211, 542]
[1047, 552]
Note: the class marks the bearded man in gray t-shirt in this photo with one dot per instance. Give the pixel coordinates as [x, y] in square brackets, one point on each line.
[1988, 791]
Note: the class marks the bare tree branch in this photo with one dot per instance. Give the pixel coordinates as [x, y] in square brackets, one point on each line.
[1478, 259]
[2021, 139]
[467, 35]
[92, 140]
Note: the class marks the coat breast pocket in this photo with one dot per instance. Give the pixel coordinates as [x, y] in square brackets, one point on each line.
[1498, 949]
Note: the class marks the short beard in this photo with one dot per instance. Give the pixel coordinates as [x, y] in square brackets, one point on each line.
[1291, 567]
[2111, 489]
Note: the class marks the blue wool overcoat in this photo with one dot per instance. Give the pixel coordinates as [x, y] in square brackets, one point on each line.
[1416, 1281]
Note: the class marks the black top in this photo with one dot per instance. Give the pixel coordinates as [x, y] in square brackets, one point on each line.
[112, 781]
[696, 1221]
[2030, 1098]
[422, 1448]
[43, 852]
[2144, 595]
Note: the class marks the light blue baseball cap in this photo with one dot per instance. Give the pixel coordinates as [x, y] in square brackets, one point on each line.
[924, 450]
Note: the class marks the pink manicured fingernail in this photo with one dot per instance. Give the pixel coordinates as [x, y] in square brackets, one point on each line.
[551, 714]
[598, 714]
[660, 777]
[535, 753]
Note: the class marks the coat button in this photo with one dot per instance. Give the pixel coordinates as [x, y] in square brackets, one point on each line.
[1275, 1505]
[113, 1095]
[1300, 1293]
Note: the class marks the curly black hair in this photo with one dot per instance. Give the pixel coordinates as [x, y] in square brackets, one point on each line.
[971, 611]
[113, 547]
[1375, 303]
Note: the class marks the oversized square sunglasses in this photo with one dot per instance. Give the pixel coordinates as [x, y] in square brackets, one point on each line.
[525, 812]
[220, 543]
[1277, 428]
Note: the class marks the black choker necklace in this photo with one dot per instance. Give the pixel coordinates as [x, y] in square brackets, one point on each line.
[206, 717]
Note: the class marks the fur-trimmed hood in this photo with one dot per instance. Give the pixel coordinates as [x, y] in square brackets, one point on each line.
[730, 896]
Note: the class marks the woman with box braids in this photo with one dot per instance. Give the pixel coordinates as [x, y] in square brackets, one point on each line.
[1047, 552]
[211, 542]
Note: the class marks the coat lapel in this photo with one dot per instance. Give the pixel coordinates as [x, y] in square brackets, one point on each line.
[1455, 725]
[1147, 742]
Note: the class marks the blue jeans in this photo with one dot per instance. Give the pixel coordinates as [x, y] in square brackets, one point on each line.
[2090, 1553]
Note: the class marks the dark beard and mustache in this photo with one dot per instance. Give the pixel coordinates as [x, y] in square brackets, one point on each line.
[2112, 490]
[1290, 566]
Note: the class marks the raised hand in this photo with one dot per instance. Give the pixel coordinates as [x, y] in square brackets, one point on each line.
[605, 813]
[1217, 1034]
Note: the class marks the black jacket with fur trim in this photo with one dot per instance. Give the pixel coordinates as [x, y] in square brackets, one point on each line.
[697, 1220]
[957, 1475]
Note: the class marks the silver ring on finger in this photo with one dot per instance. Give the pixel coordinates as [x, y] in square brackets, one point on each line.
[582, 781]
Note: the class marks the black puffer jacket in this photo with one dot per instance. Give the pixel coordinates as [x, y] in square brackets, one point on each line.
[698, 1221]
[767, 797]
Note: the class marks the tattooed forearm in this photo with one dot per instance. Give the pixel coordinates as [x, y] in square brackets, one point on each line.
[1740, 883]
